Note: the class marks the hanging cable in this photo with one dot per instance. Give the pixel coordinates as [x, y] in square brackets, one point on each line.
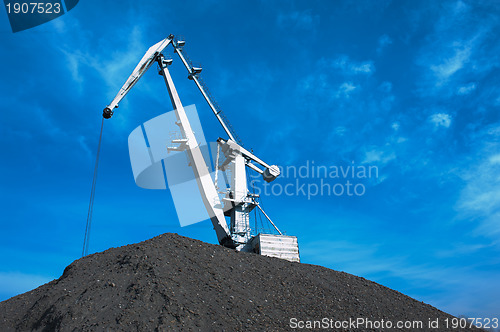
[86, 238]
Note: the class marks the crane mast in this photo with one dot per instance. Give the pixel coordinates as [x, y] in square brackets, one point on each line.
[237, 202]
[189, 144]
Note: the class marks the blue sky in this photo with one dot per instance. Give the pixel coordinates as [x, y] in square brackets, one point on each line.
[411, 87]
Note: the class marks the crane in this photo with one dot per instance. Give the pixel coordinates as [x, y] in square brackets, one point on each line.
[237, 202]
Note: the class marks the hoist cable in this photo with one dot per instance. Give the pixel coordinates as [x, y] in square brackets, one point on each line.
[86, 238]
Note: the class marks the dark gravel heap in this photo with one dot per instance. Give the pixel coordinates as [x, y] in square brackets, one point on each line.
[173, 283]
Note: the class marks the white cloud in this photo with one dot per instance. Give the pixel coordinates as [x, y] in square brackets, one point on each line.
[82, 140]
[482, 192]
[59, 25]
[113, 66]
[116, 69]
[479, 200]
[379, 155]
[466, 89]
[440, 120]
[494, 159]
[340, 130]
[362, 68]
[396, 126]
[314, 82]
[459, 48]
[345, 89]
[460, 7]
[351, 67]
[451, 65]
[324, 80]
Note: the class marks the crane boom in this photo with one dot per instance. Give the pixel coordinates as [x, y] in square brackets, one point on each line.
[147, 60]
[189, 143]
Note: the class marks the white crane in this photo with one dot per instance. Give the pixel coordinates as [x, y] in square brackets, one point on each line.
[237, 202]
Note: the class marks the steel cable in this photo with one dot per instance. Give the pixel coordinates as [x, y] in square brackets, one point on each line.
[86, 238]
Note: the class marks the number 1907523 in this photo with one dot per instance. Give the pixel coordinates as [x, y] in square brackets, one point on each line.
[33, 8]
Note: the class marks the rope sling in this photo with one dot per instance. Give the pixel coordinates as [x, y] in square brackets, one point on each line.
[86, 239]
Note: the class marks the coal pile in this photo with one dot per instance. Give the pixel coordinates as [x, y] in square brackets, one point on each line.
[173, 283]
